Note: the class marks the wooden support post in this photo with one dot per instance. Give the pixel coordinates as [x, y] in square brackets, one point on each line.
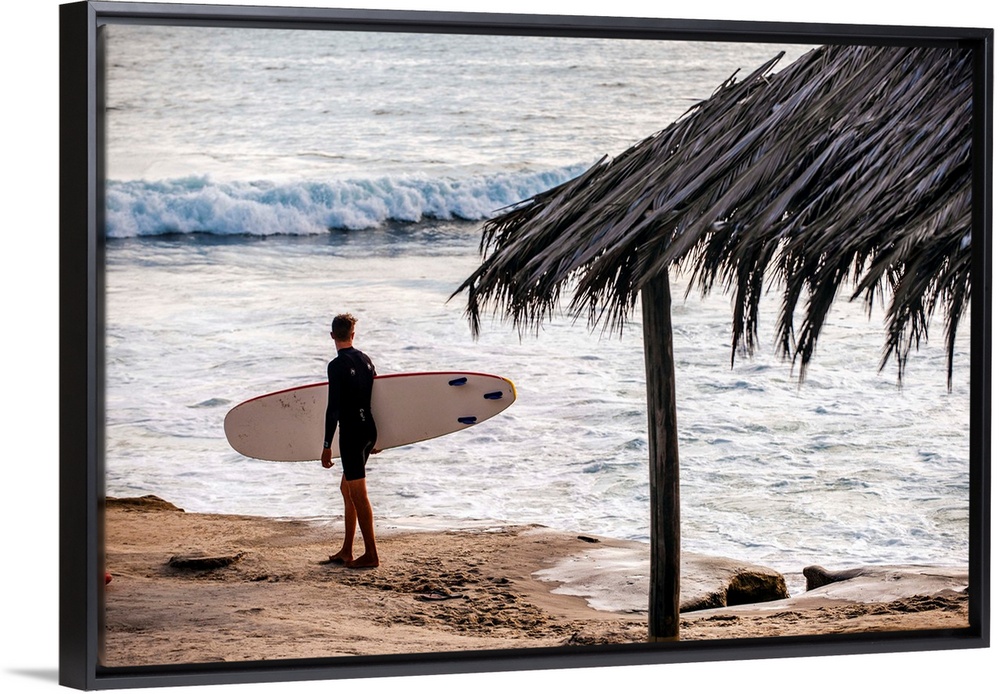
[664, 463]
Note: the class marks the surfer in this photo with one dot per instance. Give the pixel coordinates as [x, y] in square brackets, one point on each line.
[351, 375]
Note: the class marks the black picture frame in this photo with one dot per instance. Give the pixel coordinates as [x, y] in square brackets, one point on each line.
[81, 345]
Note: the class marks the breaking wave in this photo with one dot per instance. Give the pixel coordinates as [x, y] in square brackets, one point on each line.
[262, 208]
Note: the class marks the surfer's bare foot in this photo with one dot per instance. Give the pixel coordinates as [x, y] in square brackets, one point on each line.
[341, 557]
[364, 562]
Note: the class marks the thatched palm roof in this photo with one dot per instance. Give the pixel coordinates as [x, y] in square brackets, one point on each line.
[853, 164]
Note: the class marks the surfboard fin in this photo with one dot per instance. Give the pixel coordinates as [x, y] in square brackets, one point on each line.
[495, 395]
[458, 381]
[467, 420]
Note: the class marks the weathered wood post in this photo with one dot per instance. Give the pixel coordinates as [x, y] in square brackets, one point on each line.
[664, 463]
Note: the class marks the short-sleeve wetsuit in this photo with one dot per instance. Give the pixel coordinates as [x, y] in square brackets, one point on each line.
[351, 375]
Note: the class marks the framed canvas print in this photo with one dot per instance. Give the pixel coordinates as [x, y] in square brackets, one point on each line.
[408, 342]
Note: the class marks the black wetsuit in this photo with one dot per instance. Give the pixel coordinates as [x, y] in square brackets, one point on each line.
[351, 376]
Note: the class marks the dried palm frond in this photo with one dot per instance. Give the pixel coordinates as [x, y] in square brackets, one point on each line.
[854, 164]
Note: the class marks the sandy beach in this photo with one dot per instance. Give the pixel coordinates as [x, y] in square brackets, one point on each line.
[190, 587]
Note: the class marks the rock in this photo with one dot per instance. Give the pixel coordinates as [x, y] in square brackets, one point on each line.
[149, 502]
[616, 579]
[709, 582]
[883, 583]
[817, 576]
[201, 562]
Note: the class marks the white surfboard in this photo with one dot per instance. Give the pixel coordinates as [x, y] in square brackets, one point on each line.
[289, 425]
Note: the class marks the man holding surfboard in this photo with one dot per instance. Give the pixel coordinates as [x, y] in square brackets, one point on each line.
[351, 375]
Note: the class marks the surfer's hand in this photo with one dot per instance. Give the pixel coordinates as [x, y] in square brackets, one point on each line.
[327, 458]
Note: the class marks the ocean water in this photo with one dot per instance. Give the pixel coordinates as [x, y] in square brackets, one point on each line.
[260, 182]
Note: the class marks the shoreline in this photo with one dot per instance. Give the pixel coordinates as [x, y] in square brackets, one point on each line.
[193, 587]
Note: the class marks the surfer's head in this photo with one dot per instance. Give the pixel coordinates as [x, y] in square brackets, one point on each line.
[343, 327]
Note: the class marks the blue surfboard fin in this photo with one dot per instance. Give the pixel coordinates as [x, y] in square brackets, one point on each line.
[467, 420]
[458, 381]
[495, 395]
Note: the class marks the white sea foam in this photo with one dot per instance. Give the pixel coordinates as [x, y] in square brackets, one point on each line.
[846, 465]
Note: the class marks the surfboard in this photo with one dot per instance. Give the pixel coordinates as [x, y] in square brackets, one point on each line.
[288, 425]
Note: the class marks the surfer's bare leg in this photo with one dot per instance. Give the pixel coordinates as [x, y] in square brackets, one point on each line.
[366, 520]
[346, 552]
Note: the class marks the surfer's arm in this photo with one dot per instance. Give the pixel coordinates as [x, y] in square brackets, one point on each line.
[332, 406]
[332, 415]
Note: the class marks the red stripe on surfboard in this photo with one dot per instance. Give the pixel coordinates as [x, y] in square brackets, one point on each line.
[381, 376]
